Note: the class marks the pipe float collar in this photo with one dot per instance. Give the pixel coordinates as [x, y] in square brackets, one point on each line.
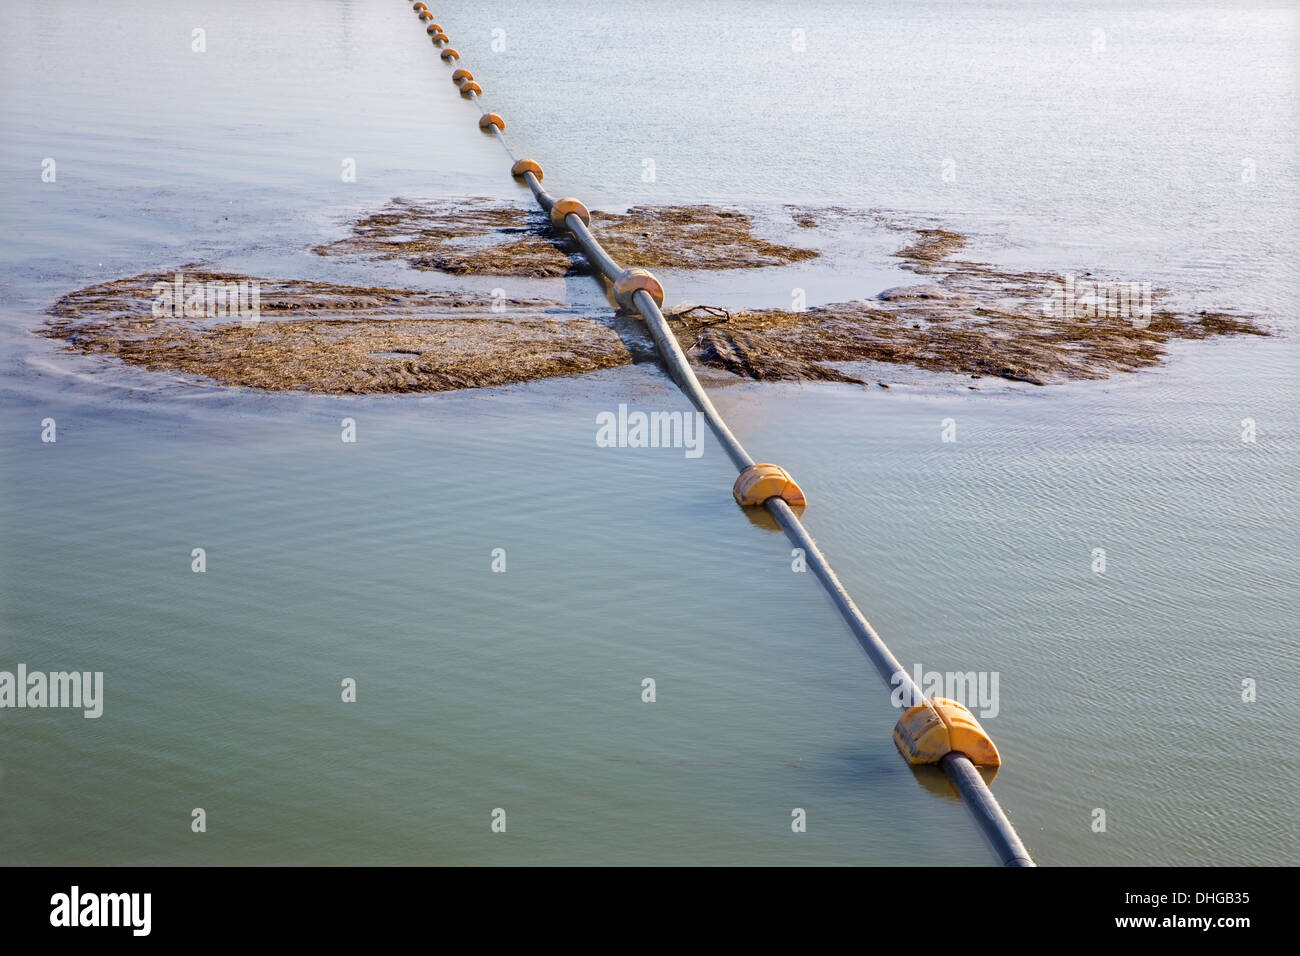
[449, 54]
[417, 7]
[468, 87]
[759, 482]
[442, 38]
[637, 280]
[526, 166]
[935, 728]
[433, 29]
[564, 207]
[491, 119]
[461, 74]
[426, 16]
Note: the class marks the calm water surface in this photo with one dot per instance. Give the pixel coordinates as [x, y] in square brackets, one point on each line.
[1090, 135]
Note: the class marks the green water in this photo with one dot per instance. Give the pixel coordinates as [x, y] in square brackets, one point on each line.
[476, 690]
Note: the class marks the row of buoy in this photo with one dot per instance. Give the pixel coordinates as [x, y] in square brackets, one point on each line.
[934, 731]
[626, 282]
[435, 32]
[464, 79]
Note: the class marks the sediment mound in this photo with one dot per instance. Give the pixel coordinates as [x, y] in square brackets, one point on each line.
[335, 338]
[968, 317]
[486, 237]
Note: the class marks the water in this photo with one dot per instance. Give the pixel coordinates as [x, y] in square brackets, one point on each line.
[522, 690]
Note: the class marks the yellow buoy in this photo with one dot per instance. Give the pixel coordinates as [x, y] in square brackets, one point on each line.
[526, 166]
[568, 206]
[461, 74]
[449, 54]
[759, 482]
[468, 87]
[491, 119]
[929, 731]
[636, 280]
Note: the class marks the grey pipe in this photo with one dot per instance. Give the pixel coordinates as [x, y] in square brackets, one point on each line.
[543, 197]
[993, 824]
[597, 256]
[680, 372]
[886, 664]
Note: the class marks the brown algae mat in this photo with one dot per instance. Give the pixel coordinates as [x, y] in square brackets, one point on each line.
[972, 318]
[465, 237]
[486, 237]
[969, 317]
[335, 338]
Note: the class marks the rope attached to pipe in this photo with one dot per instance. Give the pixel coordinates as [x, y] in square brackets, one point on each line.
[932, 730]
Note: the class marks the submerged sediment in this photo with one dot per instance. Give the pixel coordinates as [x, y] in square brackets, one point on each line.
[335, 338]
[941, 336]
[968, 317]
[486, 237]
[462, 237]
[972, 318]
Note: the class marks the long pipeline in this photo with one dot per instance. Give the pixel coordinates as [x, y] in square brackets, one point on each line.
[637, 290]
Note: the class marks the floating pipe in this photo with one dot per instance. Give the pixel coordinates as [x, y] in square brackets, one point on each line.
[637, 289]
